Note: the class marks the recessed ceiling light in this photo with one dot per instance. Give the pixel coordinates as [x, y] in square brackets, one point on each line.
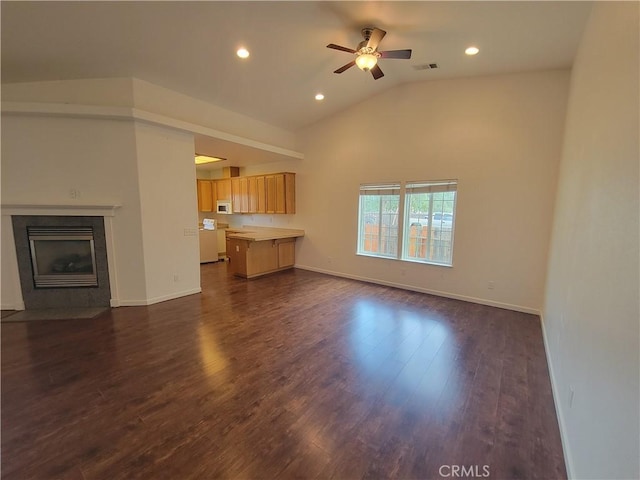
[243, 53]
[201, 159]
[319, 96]
[472, 51]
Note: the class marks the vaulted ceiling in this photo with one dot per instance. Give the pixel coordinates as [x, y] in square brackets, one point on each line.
[190, 47]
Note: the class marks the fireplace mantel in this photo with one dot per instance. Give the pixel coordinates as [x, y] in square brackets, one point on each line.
[73, 209]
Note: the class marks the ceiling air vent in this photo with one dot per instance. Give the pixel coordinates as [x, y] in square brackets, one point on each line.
[426, 66]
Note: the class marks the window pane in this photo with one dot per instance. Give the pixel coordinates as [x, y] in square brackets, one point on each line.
[429, 221]
[378, 228]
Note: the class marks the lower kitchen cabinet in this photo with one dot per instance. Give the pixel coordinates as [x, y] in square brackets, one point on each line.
[286, 252]
[248, 258]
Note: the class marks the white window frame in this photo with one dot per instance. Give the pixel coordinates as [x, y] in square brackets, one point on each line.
[380, 189]
[403, 190]
[434, 233]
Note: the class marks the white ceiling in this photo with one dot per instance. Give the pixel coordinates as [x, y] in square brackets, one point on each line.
[190, 47]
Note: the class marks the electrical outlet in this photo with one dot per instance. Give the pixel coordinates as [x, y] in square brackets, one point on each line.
[329, 260]
[73, 193]
[491, 284]
[176, 277]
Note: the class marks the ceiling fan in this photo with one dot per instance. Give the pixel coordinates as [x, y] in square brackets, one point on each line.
[367, 53]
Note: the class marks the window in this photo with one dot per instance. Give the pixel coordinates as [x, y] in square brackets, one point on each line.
[378, 220]
[428, 225]
[426, 229]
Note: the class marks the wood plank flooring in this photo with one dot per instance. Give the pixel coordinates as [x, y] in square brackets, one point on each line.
[293, 375]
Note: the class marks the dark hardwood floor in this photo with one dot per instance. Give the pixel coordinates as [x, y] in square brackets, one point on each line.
[293, 375]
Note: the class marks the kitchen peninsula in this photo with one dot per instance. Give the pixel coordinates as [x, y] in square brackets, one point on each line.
[255, 251]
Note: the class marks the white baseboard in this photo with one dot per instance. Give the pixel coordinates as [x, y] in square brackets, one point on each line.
[163, 298]
[12, 306]
[455, 296]
[556, 401]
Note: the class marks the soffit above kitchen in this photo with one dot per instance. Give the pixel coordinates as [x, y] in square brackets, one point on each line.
[190, 47]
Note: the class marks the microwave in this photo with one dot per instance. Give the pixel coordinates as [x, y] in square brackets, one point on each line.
[223, 207]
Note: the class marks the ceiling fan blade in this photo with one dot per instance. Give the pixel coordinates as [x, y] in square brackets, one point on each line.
[338, 47]
[403, 54]
[376, 36]
[376, 72]
[345, 67]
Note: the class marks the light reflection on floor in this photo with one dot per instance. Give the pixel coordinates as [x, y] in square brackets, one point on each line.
[412, 352]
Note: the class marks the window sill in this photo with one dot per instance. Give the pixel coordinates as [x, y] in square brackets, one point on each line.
[426, 262]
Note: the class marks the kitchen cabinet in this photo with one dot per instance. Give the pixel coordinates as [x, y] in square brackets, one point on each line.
[266, 250]
[252, 186]
[206, 195]
[235, 195]
[272, 193]
[244, 195]
[281, 206]
[223, 189]
[261, 200]
[280, 193]
[286, 252]
[240, 195]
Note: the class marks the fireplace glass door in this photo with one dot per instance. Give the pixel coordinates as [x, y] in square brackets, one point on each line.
[63, 257]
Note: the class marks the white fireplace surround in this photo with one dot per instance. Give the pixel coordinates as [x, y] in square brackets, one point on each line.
[108, 212]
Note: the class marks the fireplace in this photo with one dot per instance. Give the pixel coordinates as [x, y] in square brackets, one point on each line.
[62, 257]
[62, 261]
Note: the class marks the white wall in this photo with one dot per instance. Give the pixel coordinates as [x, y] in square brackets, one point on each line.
[169, 216]
[500, 136]
[592, 295]
[117, 92]
[153, 98]
[44, 158]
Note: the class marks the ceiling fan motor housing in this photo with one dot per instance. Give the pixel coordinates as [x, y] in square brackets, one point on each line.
[366, 33]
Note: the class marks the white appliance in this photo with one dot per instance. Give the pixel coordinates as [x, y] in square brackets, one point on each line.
[223, 207]
[208, 241]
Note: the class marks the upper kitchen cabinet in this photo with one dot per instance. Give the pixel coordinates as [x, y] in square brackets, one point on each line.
[240, 195]
[257, 194]
[223, 189]
[271, 193]
[280, 193]
[206, 195]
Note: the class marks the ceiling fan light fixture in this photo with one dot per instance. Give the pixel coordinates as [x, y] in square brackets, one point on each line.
[366, 61]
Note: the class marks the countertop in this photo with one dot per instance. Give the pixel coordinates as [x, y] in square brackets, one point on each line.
[257, 234]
